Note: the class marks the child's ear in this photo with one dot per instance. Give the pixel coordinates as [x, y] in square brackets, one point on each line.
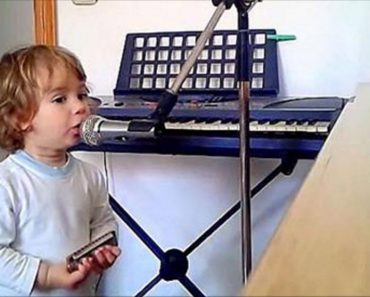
[26, 128]
[22, 126]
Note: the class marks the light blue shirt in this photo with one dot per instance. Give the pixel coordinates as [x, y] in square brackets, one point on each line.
[46, 213]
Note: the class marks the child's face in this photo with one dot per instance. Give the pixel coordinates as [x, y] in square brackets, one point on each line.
[62, 108]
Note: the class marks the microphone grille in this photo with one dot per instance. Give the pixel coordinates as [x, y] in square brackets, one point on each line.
[87, 130]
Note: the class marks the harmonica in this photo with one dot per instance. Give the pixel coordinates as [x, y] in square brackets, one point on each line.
[87, 250]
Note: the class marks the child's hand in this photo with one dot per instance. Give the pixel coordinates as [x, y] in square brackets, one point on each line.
[104, 257]
[56, 276]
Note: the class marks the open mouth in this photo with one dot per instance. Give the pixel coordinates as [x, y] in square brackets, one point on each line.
[76, 128]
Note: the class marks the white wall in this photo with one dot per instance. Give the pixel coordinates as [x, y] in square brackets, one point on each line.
[175, 198]
[329, 57]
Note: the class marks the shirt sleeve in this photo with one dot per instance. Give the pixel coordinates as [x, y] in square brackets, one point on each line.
[103, 219]
[17, 271]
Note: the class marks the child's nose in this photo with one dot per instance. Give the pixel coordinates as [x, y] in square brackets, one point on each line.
[80, 106]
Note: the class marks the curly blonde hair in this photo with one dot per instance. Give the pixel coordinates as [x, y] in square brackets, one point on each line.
[19, 87]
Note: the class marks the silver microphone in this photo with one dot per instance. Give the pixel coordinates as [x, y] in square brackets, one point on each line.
[96, 129]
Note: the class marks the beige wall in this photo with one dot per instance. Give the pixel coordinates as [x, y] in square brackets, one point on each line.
[16, 23]
[16, 19]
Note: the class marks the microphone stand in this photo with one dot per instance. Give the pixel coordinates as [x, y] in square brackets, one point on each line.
[169, 99]
[244, 150]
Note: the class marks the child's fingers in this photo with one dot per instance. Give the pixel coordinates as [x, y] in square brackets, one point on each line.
[105, 256]
[86, 264]
[92, 265]
[77, 276]
[101, 258]
[109, 256]
[97, 268]
[81, 271]
[115, 250]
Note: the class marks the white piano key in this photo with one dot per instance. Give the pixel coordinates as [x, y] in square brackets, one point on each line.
[322, 127]
[176, 125]
[188, 125]
[263, 127]
[252, 126]
[311, 128]
[277, 127]
[196, 126]
[225, 126]
[171, 125]
[302, 127]
[203, 126]
[215, 126]
[234, 127]
[200, 126]
[291, 127]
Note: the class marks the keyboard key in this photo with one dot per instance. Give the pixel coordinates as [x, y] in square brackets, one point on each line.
[322, 127]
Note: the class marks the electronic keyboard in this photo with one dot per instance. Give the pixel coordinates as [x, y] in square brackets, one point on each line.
[296, 127]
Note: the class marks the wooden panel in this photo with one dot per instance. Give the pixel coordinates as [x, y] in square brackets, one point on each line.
[322, 247]
[45, 22]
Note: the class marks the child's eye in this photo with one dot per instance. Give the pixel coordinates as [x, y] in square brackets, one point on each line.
[59, 99]
[82, 96]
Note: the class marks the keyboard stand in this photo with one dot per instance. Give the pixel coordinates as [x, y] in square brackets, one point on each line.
[174, 262]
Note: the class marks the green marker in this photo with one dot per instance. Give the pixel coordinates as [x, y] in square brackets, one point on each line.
[280, 37]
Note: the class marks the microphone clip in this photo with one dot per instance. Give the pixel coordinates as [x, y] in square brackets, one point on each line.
[141, 127]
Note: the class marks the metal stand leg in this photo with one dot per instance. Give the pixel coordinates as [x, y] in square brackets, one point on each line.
[234, 209]
[149, 286]
[135, 227]
[174, 264]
